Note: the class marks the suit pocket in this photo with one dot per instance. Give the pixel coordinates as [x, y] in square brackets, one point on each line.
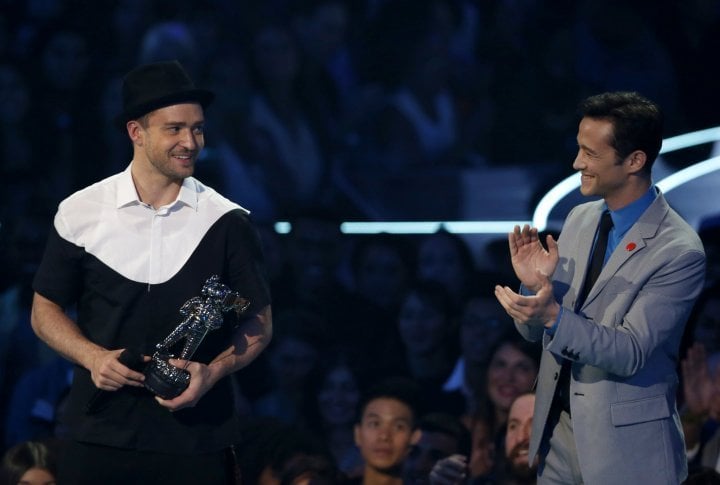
[639, 411]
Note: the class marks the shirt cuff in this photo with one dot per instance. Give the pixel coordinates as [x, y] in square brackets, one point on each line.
[551, 331]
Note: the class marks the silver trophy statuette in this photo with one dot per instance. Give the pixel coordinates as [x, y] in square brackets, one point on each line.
[201, 314]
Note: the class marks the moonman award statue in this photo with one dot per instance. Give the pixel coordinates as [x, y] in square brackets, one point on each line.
[201, 314]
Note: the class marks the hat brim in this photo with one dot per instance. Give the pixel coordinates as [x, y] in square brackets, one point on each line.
[202, 96]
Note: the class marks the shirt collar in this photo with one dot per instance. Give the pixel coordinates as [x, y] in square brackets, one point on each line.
[127, 193]
[624, 218]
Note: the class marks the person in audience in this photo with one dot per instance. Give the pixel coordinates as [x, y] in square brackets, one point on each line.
[29, 463]
[427, 326]
[386, 428]
[483, 323]
[517, 442]
[337, 395]
[447, 258]
[441, 435]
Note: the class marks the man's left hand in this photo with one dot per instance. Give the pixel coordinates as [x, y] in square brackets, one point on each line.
[540, 309]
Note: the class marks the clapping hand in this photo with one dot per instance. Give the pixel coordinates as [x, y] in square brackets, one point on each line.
[529, 256]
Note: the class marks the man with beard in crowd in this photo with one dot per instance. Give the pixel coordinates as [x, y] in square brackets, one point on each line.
[517, 441]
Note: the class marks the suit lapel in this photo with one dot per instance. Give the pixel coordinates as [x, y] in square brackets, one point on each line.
[632, 243]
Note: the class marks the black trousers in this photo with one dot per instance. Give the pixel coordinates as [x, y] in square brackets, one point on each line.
[86, 464]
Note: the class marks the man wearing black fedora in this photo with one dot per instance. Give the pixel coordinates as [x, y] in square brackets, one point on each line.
[128, 252]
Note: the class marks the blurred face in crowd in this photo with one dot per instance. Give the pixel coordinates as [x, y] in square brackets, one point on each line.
[439, 260]
[707, 327]
[291, 361]
[482, 456]
[381, 276]
[338, 397]
[517, 438]
[510, 373]
[430, 447]
[385, 433]
[422, 326]
[482, 324]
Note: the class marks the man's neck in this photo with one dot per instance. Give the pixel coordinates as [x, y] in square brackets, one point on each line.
[154, 189]
[630, 194]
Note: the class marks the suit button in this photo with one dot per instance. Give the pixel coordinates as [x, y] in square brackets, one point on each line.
[555, 377]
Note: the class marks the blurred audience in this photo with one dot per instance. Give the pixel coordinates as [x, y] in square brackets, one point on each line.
[368, 110]
[29, 463]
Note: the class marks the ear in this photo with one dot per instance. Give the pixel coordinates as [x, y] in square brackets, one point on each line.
[415, 436]
[135, 132]
[636, 161]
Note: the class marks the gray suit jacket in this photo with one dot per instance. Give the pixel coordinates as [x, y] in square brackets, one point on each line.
[624, 344]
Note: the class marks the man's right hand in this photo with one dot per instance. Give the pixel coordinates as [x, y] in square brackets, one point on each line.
[110, 374]
[528, 256]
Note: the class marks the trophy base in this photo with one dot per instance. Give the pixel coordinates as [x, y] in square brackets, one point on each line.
[165, 380]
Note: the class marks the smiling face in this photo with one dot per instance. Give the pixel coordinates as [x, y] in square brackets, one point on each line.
[168, 140]
[603, 174]
[422, 326]
[384, 434]
[510, 374]
[597, 160]
[338, 397]
[517, 438]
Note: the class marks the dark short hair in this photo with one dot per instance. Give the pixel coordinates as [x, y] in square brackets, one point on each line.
[449, 425]
[637, 122]
[400, 388]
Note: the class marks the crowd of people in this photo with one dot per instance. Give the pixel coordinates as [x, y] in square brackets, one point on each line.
[318, 103]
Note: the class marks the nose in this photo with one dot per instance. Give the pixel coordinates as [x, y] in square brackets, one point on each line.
[189, 140]
[578, 163]
[525, 432]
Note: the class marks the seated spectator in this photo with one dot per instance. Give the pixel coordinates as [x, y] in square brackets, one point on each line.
[333, 417]
[517, 442]
[511, 372]
[385, 430]
[701, 409]
[447, 258]
[441, 435]
[428, 333]
[292, 358]
[483, 323]
[29, 463]
[481, 466]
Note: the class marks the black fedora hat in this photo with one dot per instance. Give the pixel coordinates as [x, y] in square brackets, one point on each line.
[156, 85]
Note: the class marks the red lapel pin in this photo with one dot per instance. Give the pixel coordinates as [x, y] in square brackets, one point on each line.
[631, 246]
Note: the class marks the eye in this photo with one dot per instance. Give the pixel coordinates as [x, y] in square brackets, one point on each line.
[199, 130]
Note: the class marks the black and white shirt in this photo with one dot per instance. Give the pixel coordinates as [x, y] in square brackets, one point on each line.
[129, 268]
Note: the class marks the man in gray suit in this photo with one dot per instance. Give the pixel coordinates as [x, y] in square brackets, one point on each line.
[605, 410]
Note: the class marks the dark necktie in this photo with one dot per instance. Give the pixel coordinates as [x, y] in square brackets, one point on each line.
[598, 256]
[594, 268]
